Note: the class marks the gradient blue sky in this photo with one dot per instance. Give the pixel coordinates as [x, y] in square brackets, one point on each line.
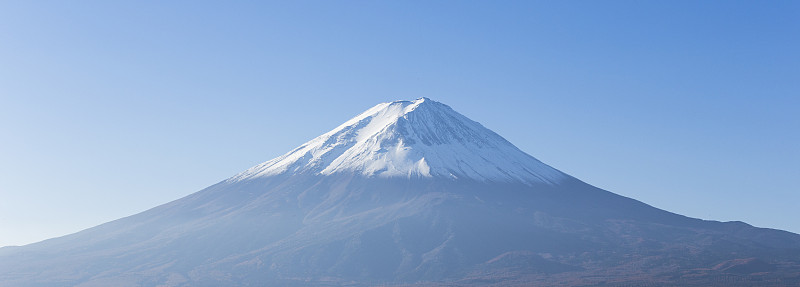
[108, 108]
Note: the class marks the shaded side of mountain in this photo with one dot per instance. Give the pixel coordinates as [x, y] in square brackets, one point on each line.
[351, 230]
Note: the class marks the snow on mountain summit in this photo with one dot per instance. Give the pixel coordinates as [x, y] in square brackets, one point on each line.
[420, 138]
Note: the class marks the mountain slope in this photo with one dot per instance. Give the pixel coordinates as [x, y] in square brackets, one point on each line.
[408, 192]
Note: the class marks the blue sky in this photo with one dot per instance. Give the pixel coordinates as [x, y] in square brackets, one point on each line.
[108, 108]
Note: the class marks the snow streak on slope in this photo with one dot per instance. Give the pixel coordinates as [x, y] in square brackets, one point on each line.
[420, 138]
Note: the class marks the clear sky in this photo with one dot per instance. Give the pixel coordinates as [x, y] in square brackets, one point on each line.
[108, 108]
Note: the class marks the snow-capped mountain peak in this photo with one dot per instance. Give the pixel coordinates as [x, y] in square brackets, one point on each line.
[420, 138]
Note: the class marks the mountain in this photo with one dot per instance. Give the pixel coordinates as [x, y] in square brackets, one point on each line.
[411, 139]
[407, 193]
